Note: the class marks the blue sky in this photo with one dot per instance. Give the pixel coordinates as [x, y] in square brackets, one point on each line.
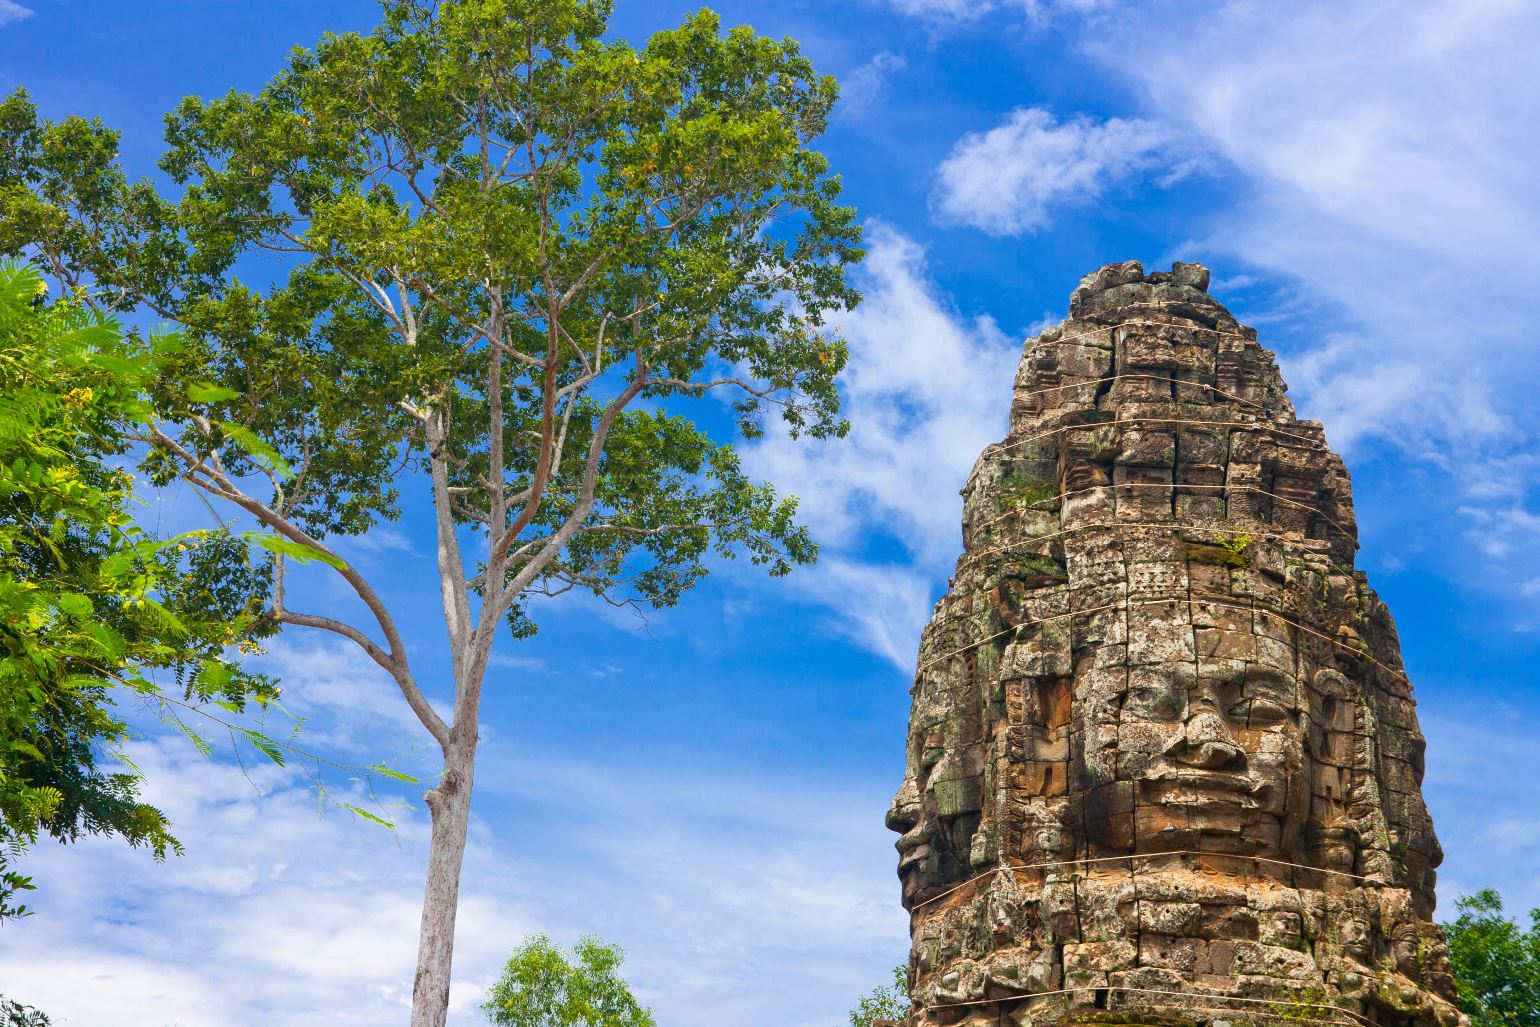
[707, 788]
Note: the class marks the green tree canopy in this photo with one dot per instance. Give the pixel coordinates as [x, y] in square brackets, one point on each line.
[88, 603]
[87, 600]
[1496, 962]
[544, 987]
[515, 255]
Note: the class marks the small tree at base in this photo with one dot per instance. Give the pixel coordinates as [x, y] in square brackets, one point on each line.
[519, 251]
[1496, 962]
[889, 1004]
[543, 987]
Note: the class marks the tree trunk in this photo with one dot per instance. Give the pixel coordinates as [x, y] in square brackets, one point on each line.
[450, 806]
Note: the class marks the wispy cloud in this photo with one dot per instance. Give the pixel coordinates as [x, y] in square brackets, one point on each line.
[860, 89]
[721, 886]
[1005, 180]
[1382, 155]
[1386, 152]
[969, 10]
[11, 12]
[383, 540]
[926, 389]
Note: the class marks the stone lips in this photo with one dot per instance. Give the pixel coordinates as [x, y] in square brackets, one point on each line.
[1163, 761]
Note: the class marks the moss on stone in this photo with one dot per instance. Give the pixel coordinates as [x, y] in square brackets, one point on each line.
[1201, 553]
[1028, 492]
[1036, 565]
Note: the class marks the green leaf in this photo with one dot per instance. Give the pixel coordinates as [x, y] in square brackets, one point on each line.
[295, 550]
[264, 455]
[205, 392]
[360, 811]
[265, 745]
[27, 748]
[384, 771]
[213, 677]
[197, 740]
[117, 565]
[19, 284]
[74, 605]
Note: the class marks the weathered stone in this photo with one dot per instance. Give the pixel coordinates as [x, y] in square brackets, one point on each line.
[1163, 761]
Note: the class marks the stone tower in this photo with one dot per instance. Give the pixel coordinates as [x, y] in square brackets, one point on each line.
[1163, 762]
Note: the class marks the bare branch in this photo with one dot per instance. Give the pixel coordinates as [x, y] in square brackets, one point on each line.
[337, 627]
[216, 482]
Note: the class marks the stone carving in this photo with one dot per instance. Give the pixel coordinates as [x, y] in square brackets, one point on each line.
[1163, 762]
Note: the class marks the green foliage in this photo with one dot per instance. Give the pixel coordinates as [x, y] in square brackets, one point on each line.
[543, 987]
[519, 260]
[1496, 963]
[14, 1014]
[1225, 554]
[1236, 544]
[486, 204]
[1027, 491]
[1308, 1005]
[888, 1003]
[87, 601]
[12, 884]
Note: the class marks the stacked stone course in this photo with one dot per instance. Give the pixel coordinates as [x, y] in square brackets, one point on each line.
[1163, 761]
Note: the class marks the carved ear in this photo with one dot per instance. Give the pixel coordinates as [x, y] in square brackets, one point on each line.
[1333, 684]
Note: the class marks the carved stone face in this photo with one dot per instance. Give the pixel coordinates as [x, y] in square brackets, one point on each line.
[938, 807]
[1217, 763]
[1164, 759]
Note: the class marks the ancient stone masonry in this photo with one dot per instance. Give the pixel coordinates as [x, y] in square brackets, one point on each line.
[1163, 762]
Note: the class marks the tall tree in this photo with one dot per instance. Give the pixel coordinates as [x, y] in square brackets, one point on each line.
[520, 255]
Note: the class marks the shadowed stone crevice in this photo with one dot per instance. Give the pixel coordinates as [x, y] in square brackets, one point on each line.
[1163, 761]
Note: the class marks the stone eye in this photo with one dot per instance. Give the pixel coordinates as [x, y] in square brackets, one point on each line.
[1266, 713]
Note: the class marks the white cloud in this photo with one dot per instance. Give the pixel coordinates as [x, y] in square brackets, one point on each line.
[720, 884]
[862, 87]
[1004, 180]
[925, 390]
[895, 600]
[11, 12]
[346, 702]
[276, 913]
[1478, 804]
[1387, 152]
[382, 539]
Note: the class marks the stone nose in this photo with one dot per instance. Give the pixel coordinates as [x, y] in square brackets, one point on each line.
[904, 815]
[1209, 744]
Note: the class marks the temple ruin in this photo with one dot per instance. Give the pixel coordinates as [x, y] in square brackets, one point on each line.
[1163, 761]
